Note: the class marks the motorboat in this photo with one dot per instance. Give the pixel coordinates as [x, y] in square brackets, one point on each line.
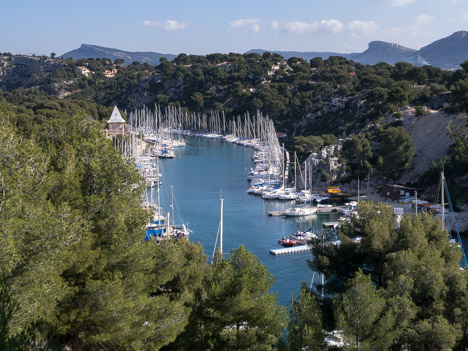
[287, 242]
[349, 208]
[303, 238]
[163, 153]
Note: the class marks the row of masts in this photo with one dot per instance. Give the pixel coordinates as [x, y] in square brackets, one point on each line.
[247, 126]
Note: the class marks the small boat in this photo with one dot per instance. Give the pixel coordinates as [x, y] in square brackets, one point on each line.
[163, 153]
[287, 242]
[269, 195]
[302, 238]
[333, 190]
[349, 208]
[300, 211]
[288, 195]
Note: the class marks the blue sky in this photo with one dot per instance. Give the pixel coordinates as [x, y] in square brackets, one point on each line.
[207, 26]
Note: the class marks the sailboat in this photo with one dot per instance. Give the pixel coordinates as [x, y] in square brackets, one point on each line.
[161, 227]
[219, 235]
[300, 211]
[443, 189]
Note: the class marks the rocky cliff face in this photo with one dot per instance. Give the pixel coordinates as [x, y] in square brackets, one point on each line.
[448, 52]
[380, 51]
[430, 138]
[26, 71]
[325, 166]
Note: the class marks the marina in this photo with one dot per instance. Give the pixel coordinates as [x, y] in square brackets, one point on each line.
[219, 169]
[268, 177]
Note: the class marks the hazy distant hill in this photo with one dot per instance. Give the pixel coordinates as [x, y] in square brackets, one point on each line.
[93, 51]
[448, 52]
[381, 51]
[445, 53]
[300, 54]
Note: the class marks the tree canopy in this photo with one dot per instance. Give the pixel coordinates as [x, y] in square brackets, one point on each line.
[394, 287]
[76, 272]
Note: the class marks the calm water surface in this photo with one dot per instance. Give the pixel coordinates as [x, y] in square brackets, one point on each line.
[206, 168]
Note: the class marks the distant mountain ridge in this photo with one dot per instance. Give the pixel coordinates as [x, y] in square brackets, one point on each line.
[446, 53]
[94, 51]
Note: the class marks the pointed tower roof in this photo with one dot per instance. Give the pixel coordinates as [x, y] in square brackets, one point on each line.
[116, 117]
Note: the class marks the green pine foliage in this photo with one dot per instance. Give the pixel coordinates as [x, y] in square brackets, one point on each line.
[399, 288]
[359, 309]
[233, 309]
[76, 272]
[305, 324]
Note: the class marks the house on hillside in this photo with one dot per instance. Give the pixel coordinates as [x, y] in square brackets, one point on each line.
[396, 192]
[84, 70]
[110, 73]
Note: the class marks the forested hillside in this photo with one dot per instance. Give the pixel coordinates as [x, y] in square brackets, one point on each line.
[76, 275]
[302, 96]
[307, 100]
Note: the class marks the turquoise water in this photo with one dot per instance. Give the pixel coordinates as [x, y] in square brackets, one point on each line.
[203, 170]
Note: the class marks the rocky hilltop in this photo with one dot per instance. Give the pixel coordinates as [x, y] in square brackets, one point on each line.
[446, 53]
[379, 51]
[27, 71]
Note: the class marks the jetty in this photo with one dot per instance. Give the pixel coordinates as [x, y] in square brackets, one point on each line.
[290, 250]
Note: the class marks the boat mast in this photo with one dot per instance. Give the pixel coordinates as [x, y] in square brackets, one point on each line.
[295, 171]
[157, 189]
[305, 177]
[311, 177]
[172, 203]
[168, 227]
[416, 202]
[221, 228]
[442, 180]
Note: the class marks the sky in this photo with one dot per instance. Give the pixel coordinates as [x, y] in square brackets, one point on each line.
[208, 26]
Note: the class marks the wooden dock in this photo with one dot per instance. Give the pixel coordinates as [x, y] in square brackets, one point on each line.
[290, 250]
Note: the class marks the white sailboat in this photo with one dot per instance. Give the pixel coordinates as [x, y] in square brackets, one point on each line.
[300, 211]
[219, 235]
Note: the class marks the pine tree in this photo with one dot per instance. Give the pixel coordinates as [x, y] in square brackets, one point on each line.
[359, 309]
[234, 309]
[305, 324]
